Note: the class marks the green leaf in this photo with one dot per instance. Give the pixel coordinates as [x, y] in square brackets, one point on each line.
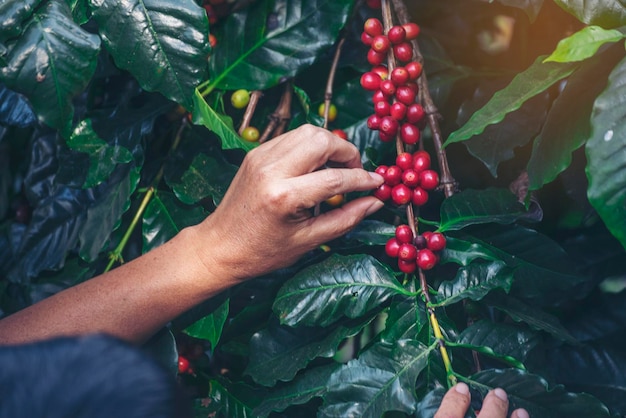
[280, 351]
[372, 232]
[382, 379]
[527, 84]
[583, 44]
[568, 124]
[463, 252]
[163, 43]
[340, 285]
[210, 327]
[474, 282]
[222, 125]
[230, 400]
[605, 13]
[102, 157]
[472, 207]
[52, 61]
[406, 319]
[606, 169]
[80, 10]
[272, 40]
[536, 395]
[13, 13]
[312, 383]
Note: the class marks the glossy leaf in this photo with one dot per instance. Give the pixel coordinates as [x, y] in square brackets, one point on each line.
[527, 84]
[568, 124]
[52, 61]
[530, 7]
[406, 319]
[230, 400]
[372, 232]
[472, 207]
[382, 379]
[339, 286]
[605, 13]
[163, 43]
[13, 13]
[463, 252]
[272, 40]
[280, 351]
[429, 404]
[536, 395]
[606, 170]
[210, 327]
[583, 44]
[474, 282]
[15, 110]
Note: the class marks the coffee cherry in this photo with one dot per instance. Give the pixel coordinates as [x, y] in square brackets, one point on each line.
[409, 133]
[382, 108]
[436, 242]
[388, 88]
[393, 175]
[405, 95]
[240, 98]
[407, 252]
[335, 200]
[401, 194]
[376, 58]
[386, 137]
[404, 160]
[421, 161]
[420, 242]
[407, 267]
[427, 235]
[332, 111]
[398, 111]
[415, 113]
[414, 69]
[370, 81]
[373, 27]
[183, 365]
[396, 34]
[381, 169]
[212, 40]
[340, 133]
[250, 134]
[373, 122]
[403, 52]
[429, 179]
[383, 192]
[404, 235]
[389, 126]
[382, 71]
[412, 30]
[366, 38]
[411, 178]
[399, 76]
[426, 259]
[419, 196]
[392, 247]
[381, 43]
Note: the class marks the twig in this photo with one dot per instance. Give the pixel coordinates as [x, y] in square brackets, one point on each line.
[280, 116]
[250, 109]
[328, 94]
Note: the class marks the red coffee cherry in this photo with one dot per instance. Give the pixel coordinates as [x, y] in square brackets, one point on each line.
[415, 113]
[420, 242]
[392, 247]
[375, 58]
[382, 71]
[389, 125]
[386, 137]
[381, 43]
[381, 169]
[404, 160]
[407, 267]
[388, 88]
[405, 95]
[421, 161]
[396, 34]
[419, 196]
[409, 133]
[383, 192]
[414, 69]
[412, 30]
[426, 259]
[366, 38]
[341, 134]
[379, 96]
[436, 242]
[429, 179]
[398, 111]
[393, 175]
[399, 76]
[403, 52]
[407, 252]
[404, 235]
[411, 178]
[373, 122]
[183, 365]
[382, 108]
[401, 194]
[373, 27]
[413, 86]
[370, 81]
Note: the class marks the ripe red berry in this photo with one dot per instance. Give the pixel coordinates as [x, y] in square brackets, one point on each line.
[212, 40]
[407, 252]
[399, 76]
[405, 95]
[426, 259]
[381, 169]
[414, 69]
[382, 108]
[383, 192]
[393, 175]
[407, 267]
[391, 247]
[370, 81]
[373, 4]
[421, 161]
[436, 241]
[381, 43]
[382, 71]
[403, 52]
[340, 133]
[411, 178]
[386, 137]
[429, 179]
[409, 133]
[404, 160]
[396, 34]
[379, 96]
[401, 194]
[373, 27]
[366, 38]
[388, 88]
[389, 125]
[415, 113]
[404, 235]
[413, 86]
[412, 30]
[376, 58]
[183, 365]
[398, 111]
[419, 197]
[373, 122]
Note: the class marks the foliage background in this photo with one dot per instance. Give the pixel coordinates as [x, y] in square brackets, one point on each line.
[91, 127]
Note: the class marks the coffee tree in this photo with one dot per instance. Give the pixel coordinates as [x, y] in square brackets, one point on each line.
[498, 126]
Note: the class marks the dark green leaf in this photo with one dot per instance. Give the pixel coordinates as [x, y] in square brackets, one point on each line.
[480, 206]
[527, 84]
[535, 394]
[279, 352]
[606, 169]
[80, 10]
[530, 7]
[53, 60]
[310, 114]
[13, 13]
[372, 232]
[463, 252]
[474, 282]
[162, 347]
[568, 124]
[405, 320]
[382, 379]
[163, 43]
[430, 403]
[583, 44]
[210, 327]
[368, 140]
[15, 110]
[230, 400]
[340, 285]
[354, 103]
[272, 40]
[605, 13]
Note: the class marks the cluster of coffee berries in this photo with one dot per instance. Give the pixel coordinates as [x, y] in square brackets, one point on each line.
[409, 180]
[395, 93]
[413, 252]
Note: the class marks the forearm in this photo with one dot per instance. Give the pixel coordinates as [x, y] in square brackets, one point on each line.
[132, 301]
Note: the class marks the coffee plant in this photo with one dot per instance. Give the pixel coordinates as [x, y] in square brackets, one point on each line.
[498, 259]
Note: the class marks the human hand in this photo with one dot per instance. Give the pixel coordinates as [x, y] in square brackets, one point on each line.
[457, 400]
[265, 221]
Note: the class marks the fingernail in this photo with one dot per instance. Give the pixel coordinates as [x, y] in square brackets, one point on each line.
[521, 413]
[462, 388]
[501, 394]
[379, 179]
[374, 207]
